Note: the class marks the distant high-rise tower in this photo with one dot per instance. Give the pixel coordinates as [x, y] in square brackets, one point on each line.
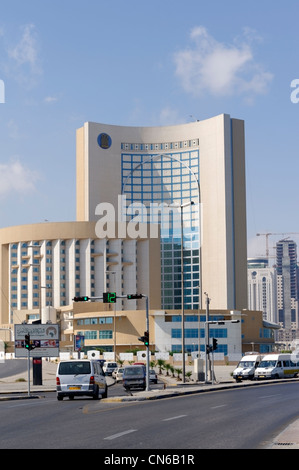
[287, 289]
[262, 288]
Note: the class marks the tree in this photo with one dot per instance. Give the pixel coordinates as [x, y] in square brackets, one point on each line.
[161, 365]
[168, 368]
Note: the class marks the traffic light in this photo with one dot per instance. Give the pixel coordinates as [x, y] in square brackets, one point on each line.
[109, 297]
[84, 298]
[134, 296]
[145, 338]
[215, 344]
[208, 349]
[27, 342]
[28, 346]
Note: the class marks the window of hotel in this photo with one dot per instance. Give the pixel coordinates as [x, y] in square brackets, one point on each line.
[106, 320]
[90, 334]
[105, 334]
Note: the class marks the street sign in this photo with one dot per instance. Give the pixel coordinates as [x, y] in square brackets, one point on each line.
[44, 339]
[78, 342]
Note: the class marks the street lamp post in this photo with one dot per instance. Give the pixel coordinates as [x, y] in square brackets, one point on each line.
[114, 312]
[182, 206]
[37, 361]
[207, 334]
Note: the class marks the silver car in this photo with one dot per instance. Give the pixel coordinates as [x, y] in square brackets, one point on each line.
[78, 378]
[117, 374]
[153, 376]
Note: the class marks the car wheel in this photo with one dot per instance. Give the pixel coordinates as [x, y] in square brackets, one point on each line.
[95, 396]
[105, 394]
[59, 398]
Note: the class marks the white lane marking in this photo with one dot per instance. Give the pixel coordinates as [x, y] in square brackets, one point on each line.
[115, 436]
[215, 407]
[271, 396]
[174, 417]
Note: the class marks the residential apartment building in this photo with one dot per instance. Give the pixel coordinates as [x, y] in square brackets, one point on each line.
[262, 288]
[287, 290]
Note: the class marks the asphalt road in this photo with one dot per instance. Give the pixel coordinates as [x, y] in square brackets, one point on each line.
[246, 418]
[13, 367]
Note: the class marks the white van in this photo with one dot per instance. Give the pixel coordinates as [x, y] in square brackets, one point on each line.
[277, 366]
[246, 368]
[83, 377]
[109, 367]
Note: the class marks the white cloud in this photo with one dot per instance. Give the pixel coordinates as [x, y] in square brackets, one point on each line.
[220, 69]
[50, 99]
[169, 117]
[24, 56]
[15, 178]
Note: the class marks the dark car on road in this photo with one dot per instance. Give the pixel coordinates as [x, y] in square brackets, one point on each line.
[134, 377]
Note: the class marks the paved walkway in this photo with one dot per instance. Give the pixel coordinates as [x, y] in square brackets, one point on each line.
[16, 387]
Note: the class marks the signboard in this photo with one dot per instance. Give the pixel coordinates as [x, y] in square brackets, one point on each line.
[78, 342]
[44, 338]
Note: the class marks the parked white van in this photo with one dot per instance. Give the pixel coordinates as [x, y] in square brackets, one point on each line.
[109, 367]
[246, 368]
[277, 366]
[77, 378]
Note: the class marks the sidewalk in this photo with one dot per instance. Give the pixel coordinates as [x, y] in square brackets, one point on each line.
[11, 388]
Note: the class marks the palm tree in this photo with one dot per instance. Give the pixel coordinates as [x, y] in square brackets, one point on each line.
[161, 365]
[188, 374]
[168, 368]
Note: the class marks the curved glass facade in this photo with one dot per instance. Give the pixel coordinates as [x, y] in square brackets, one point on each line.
[155, 186]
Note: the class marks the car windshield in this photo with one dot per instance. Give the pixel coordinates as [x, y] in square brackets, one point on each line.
[74, 368]
[134, 371]
[268, 364]
[244, 364]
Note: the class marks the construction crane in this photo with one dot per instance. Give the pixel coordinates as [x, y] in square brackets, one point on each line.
[267, 235]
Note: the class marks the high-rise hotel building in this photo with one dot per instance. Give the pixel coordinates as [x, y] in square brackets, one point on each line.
[155, 172]
[155, 168]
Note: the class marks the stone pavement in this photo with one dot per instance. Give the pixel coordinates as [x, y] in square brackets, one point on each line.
[16, 387]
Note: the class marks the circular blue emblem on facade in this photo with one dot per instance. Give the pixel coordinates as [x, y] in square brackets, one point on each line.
[104, 141]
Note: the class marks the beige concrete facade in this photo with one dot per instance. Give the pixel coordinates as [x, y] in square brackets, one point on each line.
[222, 191]
[70, 260]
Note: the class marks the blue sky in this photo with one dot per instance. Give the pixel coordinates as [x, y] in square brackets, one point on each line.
[146, 63]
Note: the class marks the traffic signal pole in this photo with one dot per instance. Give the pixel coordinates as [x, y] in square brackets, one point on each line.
[147, 346]
[27, 346]
[110, 297]
[28, 367]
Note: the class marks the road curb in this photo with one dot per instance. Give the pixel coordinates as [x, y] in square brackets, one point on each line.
[203, 389]
[154, 395]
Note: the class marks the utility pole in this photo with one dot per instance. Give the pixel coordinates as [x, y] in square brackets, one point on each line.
[207, 334]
